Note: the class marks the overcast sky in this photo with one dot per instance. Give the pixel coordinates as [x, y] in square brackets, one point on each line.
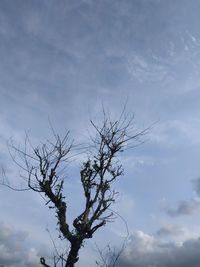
[61, 61]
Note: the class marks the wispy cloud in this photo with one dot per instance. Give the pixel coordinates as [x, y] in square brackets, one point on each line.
[63, 59]
[184, 207]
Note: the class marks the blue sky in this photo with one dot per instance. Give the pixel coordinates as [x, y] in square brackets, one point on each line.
[62, 60]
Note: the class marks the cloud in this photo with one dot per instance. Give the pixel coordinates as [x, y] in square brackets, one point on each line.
[15, 251]
[170, 230]
[145, 250]
[184, 207]
[177, 233]
[196, 186]
[144, 70]
[174, 132]
[188, 206]
[58, 58]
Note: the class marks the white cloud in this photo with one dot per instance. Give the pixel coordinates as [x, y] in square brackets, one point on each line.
[15, 248]
[177, 233]
[145, 250]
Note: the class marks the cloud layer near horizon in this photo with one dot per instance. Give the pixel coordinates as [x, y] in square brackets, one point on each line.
[145, 250]
[14, 249]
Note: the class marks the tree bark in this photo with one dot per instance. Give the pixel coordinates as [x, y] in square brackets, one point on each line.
[73, 253]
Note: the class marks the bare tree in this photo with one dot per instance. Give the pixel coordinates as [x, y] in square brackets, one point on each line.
[44, 174]
[109, 256]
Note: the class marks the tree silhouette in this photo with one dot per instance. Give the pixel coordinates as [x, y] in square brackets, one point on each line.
[44, 174]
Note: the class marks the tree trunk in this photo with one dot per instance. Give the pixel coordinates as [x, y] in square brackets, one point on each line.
[73, 253]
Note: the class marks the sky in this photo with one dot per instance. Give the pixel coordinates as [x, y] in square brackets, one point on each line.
[61, 61]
